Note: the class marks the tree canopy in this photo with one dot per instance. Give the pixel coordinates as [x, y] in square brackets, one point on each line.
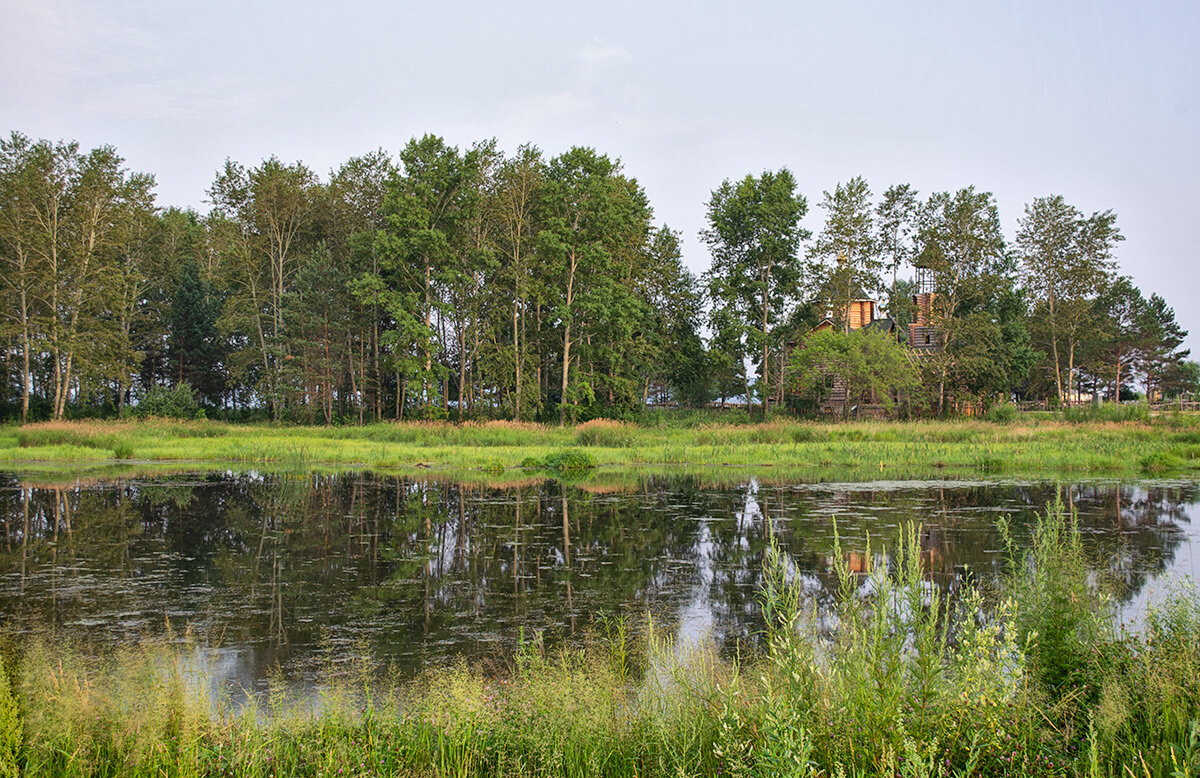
[477, 283]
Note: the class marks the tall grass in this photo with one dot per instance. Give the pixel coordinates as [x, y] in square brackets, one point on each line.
[1110, 412]
[895, 676]
[899, 450]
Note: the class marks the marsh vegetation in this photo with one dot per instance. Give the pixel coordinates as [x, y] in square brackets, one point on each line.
[1028, 674]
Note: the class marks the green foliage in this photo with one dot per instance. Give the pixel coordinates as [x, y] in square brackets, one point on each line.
[1064, 613]
[1082, 414]
[11, 728]
[178, 402]
[194, 345]
[1067, 261]
[463, 283]
[1002, 413]
[871, 365]
[754, 235]
[846, 254]
[569, 460]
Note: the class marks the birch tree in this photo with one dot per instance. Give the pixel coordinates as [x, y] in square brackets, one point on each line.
[754, 236]
[1067, 261]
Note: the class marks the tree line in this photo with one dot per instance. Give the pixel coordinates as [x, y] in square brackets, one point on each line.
[476, 283]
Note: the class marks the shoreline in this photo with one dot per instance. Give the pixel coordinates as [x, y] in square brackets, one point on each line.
[501, 450]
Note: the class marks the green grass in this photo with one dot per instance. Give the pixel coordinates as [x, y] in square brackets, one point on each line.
[1028, 677]
[894, 449]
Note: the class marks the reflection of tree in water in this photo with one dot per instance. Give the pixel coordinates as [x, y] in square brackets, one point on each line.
[425, 570]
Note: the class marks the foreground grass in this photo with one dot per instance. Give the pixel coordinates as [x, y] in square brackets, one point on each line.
[898, 678]
[897, 449]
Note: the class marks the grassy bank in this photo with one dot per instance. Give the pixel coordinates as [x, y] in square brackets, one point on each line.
[1028, 678]
[895, 449]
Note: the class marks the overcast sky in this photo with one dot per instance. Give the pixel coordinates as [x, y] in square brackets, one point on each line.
[1096, 101]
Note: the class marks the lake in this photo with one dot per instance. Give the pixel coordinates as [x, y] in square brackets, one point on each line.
[276, 573]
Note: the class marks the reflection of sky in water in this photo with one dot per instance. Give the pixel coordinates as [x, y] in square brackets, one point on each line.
[304, 573]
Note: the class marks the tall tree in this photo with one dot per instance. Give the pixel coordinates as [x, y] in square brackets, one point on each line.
[1067, 262]
[896, 225]
[84, 210]
[353, 213]
[1159, 350]
[194, 346]
[593, 218]
[18, 224]
[961, 245]
[754, 236]
[845, 253]
[514, 205]
[272, 207]
[426, 211]
[671, 351]
[1119, 310]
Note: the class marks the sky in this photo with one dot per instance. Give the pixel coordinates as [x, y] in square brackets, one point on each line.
[1095, 101]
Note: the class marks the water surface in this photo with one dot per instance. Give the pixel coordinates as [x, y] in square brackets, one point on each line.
[277, 572]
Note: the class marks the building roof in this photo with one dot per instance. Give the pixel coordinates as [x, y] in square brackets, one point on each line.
[884, 325]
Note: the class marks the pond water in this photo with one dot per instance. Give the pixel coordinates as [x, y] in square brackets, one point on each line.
[282, 573]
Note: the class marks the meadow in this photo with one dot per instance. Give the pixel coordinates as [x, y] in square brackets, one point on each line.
[1028, 675]
[1024, 444]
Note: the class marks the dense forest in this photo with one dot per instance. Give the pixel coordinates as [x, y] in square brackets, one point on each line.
[477, 283]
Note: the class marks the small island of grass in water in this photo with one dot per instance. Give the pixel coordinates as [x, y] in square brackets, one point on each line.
[1028, 676]
[1026, 444]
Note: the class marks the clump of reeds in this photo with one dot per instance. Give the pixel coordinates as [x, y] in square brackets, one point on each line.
[605, 433]
[1107, 412]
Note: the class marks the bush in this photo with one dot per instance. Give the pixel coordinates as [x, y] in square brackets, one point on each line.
[176, 403]
[1002, 413]
[570, 460]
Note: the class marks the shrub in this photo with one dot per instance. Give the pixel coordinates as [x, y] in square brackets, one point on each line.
[1002, 413]
[570, 460]
[1161, 460]
[169, 403]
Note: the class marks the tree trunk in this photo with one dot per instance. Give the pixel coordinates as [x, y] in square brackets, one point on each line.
[566, 366]
[26, 380]
[1117, 381]
[1071, 371]
[765, 377]
[1054, 347]
[517, 359]
[462, 367]
[562, 401]
[425, 345]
